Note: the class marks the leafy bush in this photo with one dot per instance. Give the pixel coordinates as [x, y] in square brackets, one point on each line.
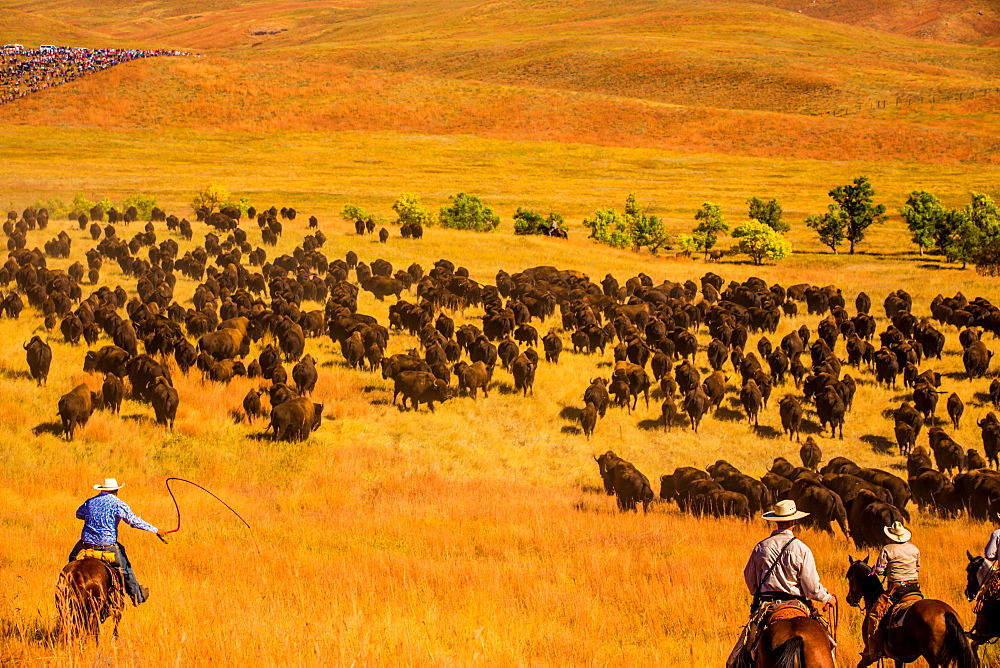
[759, 240]
[411, 211]
[54, 205]
[467, 212]
[635, 229]
[527, 221]
[81, 204]
[143, 205]
[608, 228]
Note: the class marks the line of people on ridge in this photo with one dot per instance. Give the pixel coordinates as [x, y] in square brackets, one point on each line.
[24, 71]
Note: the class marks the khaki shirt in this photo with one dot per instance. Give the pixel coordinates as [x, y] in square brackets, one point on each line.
[899, 562]
[795, 574]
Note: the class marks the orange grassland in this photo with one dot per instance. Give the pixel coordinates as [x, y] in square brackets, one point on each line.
[474, 535]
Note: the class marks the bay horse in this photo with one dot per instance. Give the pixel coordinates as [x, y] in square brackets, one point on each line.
[987, 626]
[89, 591]
[931, 629]
[800, 642]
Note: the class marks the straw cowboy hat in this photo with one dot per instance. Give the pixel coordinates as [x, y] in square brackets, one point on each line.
[784, 511]
[897, 533]
[110, 485]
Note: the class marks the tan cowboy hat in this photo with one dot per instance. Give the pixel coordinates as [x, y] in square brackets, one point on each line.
[110, 485]
[784, 511]
[897, 533]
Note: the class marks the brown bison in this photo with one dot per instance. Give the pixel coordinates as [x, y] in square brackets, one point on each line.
[420, 387]
[75, 408]
[295, 419]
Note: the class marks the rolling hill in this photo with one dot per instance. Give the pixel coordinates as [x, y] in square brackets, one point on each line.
[721, 77]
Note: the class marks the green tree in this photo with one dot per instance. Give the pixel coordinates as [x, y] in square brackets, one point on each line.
[710, 225]
[609, 228]
[984, 214]
[467, 212]
[411, 212]
[857, 209]
[987, 258]
[769, 213]
[106, 205]
[923, 213]
[645, 231]
[210, 197]
[963, 239]
[759, 240]
[829, 226]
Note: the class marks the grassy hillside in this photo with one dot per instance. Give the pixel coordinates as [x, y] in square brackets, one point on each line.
[715, 77]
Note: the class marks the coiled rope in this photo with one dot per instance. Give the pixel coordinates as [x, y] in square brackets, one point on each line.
[212, 494]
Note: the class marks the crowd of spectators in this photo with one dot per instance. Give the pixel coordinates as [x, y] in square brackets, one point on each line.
[24, 71]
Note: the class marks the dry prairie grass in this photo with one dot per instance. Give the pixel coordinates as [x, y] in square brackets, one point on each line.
[468, 536]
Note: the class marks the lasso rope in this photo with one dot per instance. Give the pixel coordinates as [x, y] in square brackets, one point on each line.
[178, 508]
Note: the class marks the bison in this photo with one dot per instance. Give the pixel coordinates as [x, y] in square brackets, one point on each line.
[295, 419]
[39, 356]
[75, 408]
[420, 387]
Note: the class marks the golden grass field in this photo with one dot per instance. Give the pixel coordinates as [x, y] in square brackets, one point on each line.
[474, 535]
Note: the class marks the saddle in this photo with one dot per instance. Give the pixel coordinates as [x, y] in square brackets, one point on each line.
[897, 613]
[787, 610]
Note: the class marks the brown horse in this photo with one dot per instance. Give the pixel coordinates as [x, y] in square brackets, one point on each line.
[89, 591]
[931, 629]
[801, 642]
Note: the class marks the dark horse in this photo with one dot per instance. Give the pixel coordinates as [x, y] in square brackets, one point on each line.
[800, 642]
[931, 629]
[987, 626]
[89, 591]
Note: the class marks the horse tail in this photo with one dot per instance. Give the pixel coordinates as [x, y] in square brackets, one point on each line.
[790, 654]
[956, 647]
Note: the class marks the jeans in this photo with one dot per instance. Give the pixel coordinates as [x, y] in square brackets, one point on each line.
[122, 563]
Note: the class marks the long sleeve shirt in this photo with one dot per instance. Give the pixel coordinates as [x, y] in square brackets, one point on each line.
[992, 550]
[899, 562]
[795, 574]
[101, 514]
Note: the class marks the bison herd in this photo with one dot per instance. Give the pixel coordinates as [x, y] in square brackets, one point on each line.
[243, 301]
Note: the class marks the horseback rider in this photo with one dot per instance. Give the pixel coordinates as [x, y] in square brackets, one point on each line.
[100, 515]
[781, 569]
[899, 562]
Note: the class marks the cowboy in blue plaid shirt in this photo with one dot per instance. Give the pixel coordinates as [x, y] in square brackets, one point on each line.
[101, 515]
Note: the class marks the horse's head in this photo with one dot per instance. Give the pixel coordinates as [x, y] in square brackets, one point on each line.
[862, 584]
[974, 574]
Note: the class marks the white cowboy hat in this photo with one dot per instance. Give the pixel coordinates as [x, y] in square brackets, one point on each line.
[784, 511]
[110, 485]
[897, 533]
